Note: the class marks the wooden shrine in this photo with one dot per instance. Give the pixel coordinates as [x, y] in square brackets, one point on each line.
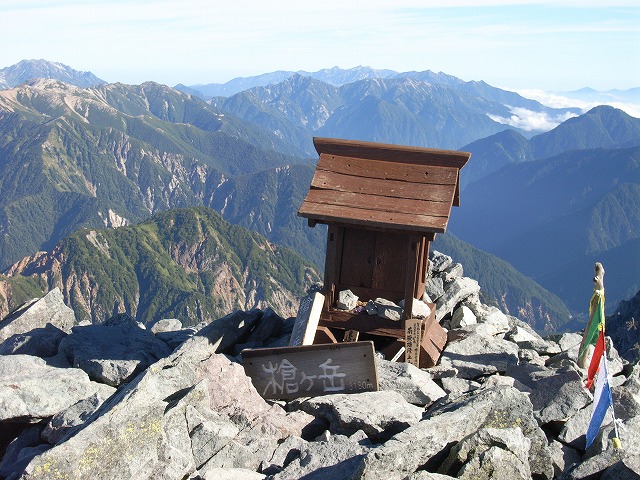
[383, 204]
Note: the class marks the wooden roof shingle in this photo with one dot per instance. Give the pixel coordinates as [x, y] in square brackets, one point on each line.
[383, 186]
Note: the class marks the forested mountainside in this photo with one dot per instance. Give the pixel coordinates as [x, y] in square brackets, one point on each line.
[106, 156]
[600, 127]
[188, 264]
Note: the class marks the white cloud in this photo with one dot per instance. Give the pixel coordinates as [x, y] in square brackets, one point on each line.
[531, 121]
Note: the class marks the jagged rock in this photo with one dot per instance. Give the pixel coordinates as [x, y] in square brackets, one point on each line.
[285, 453]
[379, 414]
[269, 326]
[494, 464]
[456, 291]
[336, 457]
[347, 300]
[21, 450]
[490, 453]
[562, 456]
[433, 289]
[37, 313]
[30, 389]
[422, 475]
[415, 385]
[566, 341]
[439, 261]
[166, 325]
[498, 320]
[555, 394]
[113, 352]
[231, 474]
[39, 342]
[419, 309]
[574, 429]
[75, 415]
[142, 431]
[421, 445]
[176, 338]
[626, 398]
[225, 332]
[388, 309]
[477, 355]
[457, 386]
[452, 271]
[463, 317]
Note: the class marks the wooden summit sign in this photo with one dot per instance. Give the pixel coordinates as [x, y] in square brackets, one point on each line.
[312, 370]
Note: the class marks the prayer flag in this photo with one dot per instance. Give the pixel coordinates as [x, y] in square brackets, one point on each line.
[596, 314]
[594, 366]
[601, 402]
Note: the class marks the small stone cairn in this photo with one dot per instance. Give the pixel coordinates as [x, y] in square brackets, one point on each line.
[130, 401]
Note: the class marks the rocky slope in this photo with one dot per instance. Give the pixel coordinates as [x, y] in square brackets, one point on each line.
[503, 403]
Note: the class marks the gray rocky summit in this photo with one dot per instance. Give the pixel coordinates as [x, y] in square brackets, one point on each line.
[119, 400]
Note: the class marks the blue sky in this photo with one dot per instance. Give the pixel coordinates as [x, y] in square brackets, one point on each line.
[553, 46]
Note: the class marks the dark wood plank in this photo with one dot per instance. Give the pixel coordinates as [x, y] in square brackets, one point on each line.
[388, 188]
[363, 217]
[392, 153]
[293, 372]
[378, 202]
[406, 172]
[358, 249]
[390, 261]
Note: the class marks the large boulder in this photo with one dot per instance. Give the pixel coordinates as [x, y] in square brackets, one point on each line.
[114, 352]
[30, 389]
[423, 445]
[379, 414]
[154, 427]
[415, 385]
[37, 313]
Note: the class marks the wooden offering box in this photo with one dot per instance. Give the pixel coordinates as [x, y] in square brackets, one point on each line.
[383, 205]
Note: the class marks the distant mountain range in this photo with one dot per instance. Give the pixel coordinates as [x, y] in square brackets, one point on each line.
[115, 154]
[29, 69]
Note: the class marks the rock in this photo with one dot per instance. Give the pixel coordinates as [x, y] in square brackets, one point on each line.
[457, 386]
[456, 291]
[452, 271]
[232, 474]
[75, 415]
[421, 445]
[419, 308]
[37, 313]
[575, 427]
[556, 395]
[462, 317]
[225, 332]
[434, 289]
[285, 453]
[21, 450]
[269, 326]
[39, 342]
[166, 325]
[566, 341]
[388, 309]
[562, 456]
[498, 320]
[439, 262]
[335, 458]
[114, 352]
[30, 389]
[145, 430]
[347, 300]
[490, 450]
[379, 414]
[177, 337]
[476, 355]
[415, 385]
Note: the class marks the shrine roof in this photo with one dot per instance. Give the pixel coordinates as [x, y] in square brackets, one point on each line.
[385, 186]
